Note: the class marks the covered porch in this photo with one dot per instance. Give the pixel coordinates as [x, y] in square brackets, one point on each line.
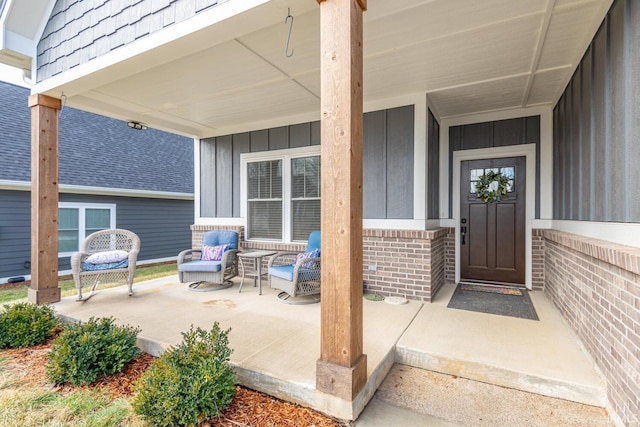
[275, 345]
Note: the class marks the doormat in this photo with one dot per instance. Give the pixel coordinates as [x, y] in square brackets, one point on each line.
[492, 300]
[505, 290]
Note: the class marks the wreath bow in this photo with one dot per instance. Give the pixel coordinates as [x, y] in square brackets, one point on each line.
[487, 191]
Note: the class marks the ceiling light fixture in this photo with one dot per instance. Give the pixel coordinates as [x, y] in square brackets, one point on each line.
[137, 126]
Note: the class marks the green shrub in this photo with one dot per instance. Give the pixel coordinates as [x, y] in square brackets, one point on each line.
[188, 383]
[83, 352]
[25, 324]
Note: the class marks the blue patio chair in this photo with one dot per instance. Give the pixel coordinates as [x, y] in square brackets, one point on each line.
[297, 274]
[215, 263]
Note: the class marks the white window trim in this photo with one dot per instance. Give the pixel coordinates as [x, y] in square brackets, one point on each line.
[82, 207]
[285, 156]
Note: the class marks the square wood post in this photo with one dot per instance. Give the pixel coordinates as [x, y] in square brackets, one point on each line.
[342, 367]
[44, 199]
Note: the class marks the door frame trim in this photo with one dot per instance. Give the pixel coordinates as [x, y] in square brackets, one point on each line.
[528, 151]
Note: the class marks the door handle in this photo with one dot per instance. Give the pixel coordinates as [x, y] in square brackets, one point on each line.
[463, 233]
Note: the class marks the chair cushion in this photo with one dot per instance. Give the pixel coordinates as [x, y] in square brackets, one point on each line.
[311, 254]
[213, 253]
[221, 237]
[314, 241]
[107, 257]
[200, 266]
[282, 271]
[87, 266]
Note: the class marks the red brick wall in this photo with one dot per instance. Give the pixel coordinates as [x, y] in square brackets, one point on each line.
[537, 260]
[596, 286]
[450, 256]
[408, 263]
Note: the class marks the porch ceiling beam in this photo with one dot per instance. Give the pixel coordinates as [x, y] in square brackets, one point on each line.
[542, 36]
[44, 199]
[341, 369]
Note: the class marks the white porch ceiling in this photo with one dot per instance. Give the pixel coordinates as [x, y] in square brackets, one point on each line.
[467, 55]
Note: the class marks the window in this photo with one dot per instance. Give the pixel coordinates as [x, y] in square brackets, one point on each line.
[78, 220]
[264, 203]
[305, 196]
[508, 171]
[282, 194]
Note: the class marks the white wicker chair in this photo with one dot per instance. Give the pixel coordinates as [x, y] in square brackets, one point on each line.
[101, 242]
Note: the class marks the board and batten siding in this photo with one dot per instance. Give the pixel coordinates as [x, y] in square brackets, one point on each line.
[388, 159]
[433, 166]
[597, 127]
[163, 226]
[500, 133]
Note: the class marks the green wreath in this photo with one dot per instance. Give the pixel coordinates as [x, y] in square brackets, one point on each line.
[483, 187]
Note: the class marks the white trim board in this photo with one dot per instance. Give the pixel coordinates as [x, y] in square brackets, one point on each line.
[529, 152]
[627, 234]
[100, 191]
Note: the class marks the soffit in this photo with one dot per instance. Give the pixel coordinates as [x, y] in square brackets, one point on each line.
[469, 56]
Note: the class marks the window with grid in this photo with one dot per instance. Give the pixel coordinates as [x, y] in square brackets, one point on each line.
[264, 200]
[305, 197]
[282, 195]
[78, 220]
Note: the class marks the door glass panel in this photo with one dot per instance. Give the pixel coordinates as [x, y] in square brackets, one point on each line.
[475, 174]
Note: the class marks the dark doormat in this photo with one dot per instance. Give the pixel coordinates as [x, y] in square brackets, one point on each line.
[492, 299]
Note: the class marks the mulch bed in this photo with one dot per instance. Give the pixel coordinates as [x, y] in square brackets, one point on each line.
[249, 407]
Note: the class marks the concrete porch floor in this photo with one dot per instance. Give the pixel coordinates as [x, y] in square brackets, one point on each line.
[275, 345]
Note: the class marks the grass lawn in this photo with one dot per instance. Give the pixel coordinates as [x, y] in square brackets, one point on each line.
[68, 288]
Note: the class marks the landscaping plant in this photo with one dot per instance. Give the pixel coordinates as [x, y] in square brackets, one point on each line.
[188, 383]
[83, 352]
[26, 324]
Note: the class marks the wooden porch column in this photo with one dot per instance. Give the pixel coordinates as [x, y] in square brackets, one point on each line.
[342, 367]
[44, 199]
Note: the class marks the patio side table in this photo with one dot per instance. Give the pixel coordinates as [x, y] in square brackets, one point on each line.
[256, 268]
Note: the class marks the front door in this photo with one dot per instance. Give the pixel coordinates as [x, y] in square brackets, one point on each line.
[492, 234]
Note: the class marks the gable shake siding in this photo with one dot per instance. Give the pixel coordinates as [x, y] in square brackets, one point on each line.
[81, 30]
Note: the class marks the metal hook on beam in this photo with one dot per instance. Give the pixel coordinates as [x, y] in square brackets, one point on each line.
[286, 49]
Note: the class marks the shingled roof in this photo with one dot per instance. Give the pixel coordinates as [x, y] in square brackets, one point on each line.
[95, 151]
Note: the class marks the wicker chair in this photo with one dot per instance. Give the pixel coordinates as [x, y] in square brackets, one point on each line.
[104, 244]
[210, 275]
[296, 276]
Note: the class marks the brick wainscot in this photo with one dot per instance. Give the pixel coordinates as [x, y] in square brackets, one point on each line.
[408, 263]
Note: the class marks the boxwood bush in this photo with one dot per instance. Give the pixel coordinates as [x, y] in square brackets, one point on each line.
[26, 324]
[188, 383]
[84, 352]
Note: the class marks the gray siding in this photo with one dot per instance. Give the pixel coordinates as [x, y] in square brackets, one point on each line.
[388, 145]
[596, 126]
[15, 232]
[79, 31]
[163, 226]
[523, 130]
[433, 167]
